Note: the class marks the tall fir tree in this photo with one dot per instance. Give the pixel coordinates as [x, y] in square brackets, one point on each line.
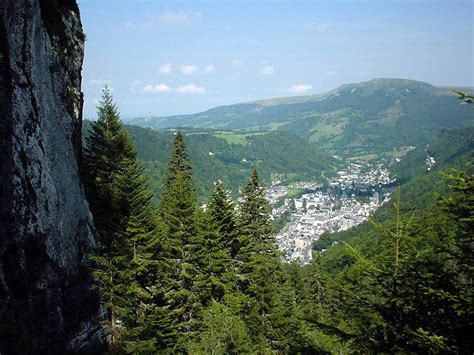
[255, 228]
[179, 161]
[107, 145]
[222, 213]
[178, 213]
[143, 318]
[215, 274]
[120, 203]
[260, 269]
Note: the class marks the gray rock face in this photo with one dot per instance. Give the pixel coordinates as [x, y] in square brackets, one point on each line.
[46, 305]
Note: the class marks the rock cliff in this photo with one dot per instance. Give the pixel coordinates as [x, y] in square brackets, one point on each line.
[46, 305]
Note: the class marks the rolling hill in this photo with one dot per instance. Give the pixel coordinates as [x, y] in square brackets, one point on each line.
[355, 119]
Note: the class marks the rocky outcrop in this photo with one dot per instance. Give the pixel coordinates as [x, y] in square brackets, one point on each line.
[46, 304]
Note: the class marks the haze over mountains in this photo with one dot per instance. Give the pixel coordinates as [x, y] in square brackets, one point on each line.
[362, 118]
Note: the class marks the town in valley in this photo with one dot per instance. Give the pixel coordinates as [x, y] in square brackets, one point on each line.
[309, 209]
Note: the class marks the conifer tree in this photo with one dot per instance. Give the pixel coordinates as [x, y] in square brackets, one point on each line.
[260, 268]
[119, 197]
[222, 213]
[215, 277]
[179, 161]
[143, 320]
[178, 213]
[107, 146]
[254, 222]
[223, 332]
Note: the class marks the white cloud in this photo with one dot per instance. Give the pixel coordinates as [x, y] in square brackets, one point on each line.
[268, 70]
[300, 88]
[188, 69]
[166, 68]
[156, 88]
[191, 89]
[209, 69]
[99, 82]
[364, 73]
[331, 73]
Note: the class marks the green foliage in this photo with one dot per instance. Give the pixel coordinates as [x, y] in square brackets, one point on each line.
[178, 214]
[215, 276]
[179, 161]
[269, 310]
[222, 213]
[449, 147]
[107, 146]
[406, 287]
[223, 332]
[126, 269]
[459, 206]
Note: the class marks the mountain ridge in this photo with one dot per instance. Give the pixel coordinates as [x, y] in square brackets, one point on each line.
[360, 118]
[298, 98]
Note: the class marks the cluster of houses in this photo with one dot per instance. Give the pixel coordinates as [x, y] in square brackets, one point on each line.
[344, 202]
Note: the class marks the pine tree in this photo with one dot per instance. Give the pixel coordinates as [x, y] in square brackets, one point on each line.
[254, 222]
[292, 205]
[223, 332]
[179, 161]
[178, 213]
[127, 271]
[259, 267]
[143, 320]
[222, 213]
[107, 146]
[215, 276]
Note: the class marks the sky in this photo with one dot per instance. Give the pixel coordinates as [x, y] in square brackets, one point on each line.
[165, 58]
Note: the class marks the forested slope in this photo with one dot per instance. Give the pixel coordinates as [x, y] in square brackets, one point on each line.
[231, 156]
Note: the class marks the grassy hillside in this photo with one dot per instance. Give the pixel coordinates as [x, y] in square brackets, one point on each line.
[230, 156]
[355, 119]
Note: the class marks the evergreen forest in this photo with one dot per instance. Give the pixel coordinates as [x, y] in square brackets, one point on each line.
[178, 276]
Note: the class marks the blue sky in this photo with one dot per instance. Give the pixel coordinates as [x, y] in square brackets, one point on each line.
[175, 57]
